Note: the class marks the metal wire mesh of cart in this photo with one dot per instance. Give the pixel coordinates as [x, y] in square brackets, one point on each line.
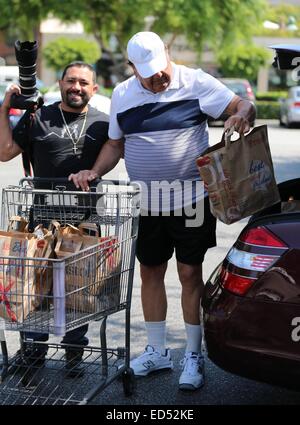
[56, 295]
[47, 382]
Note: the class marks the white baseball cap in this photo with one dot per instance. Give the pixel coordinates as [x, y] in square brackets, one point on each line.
[146, 51]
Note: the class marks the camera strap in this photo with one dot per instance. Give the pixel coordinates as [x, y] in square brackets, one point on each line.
[26, 165]
[25, 155]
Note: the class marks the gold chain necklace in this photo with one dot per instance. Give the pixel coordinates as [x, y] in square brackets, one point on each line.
[69, 132]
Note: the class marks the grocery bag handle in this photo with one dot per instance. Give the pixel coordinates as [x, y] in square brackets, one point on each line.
[226, 137]
[88, 228]
[84, 228]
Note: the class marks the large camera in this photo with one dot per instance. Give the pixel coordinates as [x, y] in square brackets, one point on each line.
[26, 55]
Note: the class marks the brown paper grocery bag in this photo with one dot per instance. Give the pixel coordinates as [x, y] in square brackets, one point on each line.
[24, 281]
[93, 281]
[43, 274]
[89, 275]
[16, 274]
[239, 175]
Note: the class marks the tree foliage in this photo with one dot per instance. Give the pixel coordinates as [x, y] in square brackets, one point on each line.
[243, 62]
[281, 15]
[60, 52]
[281, 12]
[24, 16]
[102, 18]
[214, 23]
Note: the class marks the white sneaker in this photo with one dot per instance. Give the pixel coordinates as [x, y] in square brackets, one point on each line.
[151, 361]
[192, 376]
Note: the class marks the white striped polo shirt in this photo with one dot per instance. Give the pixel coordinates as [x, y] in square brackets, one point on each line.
[165, 132]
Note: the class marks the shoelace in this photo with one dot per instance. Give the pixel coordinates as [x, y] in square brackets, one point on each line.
[192, 364]
[147, 352]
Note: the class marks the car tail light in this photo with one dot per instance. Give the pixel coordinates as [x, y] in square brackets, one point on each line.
[256, 251]
[296, 104]
[14, 111]
[235, 283]
[262, 237]
[250, 93]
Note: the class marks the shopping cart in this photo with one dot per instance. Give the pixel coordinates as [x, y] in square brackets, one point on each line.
[82, 291]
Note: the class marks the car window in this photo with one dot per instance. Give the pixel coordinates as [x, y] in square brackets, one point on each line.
[237, 88]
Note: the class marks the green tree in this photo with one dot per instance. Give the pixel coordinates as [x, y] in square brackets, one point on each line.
[62, 51]
[217, 23]
[280, 13]
[243, 61]
[24, 16]
[117, 18]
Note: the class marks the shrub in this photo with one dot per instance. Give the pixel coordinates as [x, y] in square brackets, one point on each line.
[242, 62]
[267, 110]
[60, 52]
[271, 95]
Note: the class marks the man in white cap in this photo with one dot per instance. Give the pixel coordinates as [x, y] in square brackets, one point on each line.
[158, 121]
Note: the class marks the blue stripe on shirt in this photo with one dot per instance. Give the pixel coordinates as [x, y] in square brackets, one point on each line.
[161, 116]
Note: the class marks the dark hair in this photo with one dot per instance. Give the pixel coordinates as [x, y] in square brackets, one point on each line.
[79, 64]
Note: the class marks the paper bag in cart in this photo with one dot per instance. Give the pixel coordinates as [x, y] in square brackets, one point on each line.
[90, 277]
[239, 175]
[21, 289]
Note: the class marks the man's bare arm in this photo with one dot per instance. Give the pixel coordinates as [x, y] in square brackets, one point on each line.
[241, 114]
[107, 159]
[8, 148]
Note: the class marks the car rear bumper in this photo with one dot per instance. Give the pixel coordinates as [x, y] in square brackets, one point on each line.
[294, 115]
[252, 338]
[253, 364]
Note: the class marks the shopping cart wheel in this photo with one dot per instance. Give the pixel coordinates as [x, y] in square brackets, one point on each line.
[129, 383]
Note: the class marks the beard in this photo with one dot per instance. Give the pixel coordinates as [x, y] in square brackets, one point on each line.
[75, 100]
[160, 84]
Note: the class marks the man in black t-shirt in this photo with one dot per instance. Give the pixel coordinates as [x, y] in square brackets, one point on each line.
[64, 136]
[59, 139]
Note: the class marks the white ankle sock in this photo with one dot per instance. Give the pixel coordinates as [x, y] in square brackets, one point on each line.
[194, 338]
[156, 334]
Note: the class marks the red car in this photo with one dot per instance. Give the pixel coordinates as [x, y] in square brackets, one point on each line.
[240, 87]
[251, 303]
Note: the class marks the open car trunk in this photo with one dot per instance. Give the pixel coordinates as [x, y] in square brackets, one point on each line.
[289, 192]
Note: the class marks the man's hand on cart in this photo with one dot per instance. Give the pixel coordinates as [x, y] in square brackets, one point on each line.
[82, 179]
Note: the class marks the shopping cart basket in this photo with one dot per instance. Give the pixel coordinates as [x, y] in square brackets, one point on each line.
[82, 290]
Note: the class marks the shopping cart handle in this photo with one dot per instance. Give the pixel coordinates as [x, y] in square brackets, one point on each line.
[56, 182]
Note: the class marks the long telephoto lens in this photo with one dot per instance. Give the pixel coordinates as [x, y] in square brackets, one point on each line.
[26, 55]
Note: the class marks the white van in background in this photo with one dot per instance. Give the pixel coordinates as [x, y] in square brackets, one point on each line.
[9, 74]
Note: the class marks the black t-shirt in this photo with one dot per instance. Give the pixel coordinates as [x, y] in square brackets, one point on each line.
[49, 145]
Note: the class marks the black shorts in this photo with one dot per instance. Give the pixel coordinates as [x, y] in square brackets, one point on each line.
[159, 235]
